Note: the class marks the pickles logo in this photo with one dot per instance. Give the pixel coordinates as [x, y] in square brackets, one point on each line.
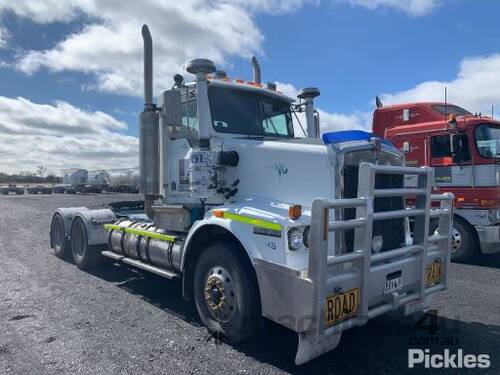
[448, 359]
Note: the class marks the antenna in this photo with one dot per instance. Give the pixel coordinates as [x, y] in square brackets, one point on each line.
[492, 111]
[184, 57]
[445, 102]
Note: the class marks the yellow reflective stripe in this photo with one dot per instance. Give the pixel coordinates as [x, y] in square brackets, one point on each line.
[144, 233]
[255, 222]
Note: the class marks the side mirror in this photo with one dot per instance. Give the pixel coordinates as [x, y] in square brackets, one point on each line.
[171, 108]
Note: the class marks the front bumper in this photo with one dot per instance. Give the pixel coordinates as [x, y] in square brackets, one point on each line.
[298, 300]
[489, 238]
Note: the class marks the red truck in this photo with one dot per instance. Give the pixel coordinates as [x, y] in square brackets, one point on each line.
[464, 150]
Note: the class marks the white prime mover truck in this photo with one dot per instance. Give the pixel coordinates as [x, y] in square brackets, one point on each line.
[311, 233]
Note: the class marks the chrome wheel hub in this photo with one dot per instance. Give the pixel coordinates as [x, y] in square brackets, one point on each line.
[219, 294]
[456, 241]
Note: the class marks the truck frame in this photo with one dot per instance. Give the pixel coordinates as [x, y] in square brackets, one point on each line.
[310, 233]
[464, 150]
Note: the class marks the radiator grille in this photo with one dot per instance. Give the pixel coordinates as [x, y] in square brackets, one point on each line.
[392, 231]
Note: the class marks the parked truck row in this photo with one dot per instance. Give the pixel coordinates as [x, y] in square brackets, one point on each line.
[79, 180]
[259, 222]
[125, 180]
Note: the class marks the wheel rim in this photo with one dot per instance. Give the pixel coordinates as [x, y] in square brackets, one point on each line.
[219, 293]
[456, 240]
[57, 233]
[78, 240]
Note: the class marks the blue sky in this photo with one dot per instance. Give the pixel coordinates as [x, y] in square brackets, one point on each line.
[77, 64]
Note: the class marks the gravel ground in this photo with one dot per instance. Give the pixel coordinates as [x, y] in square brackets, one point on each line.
[55, 318]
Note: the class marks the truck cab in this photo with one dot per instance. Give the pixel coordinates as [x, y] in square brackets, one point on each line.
[311, 232]
[464, 150]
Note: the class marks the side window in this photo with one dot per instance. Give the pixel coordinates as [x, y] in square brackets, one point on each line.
[440, 146]
[190, 115]
[276, 119]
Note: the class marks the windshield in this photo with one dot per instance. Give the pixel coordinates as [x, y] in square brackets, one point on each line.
[249, 113]
[450, 109]
[488, 140]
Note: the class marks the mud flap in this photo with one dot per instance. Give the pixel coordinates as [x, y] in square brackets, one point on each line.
[307, 350]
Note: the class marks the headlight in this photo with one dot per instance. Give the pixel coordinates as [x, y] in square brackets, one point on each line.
[377, 243]
[494, 216]
[295, 239]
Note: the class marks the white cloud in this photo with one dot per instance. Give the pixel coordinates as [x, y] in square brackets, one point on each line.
[4, 37]
[47, 11]
[61, 136]
[332, 122]
[273, 6]
[475, 86]
[110, 46]
[413, 7]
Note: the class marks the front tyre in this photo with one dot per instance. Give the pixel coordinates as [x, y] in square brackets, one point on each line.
[85, 256]
[463, 240]
[226, 295]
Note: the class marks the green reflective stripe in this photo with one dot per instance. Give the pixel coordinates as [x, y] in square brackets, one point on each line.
[144, 233]
[112, 227]
[154, 235]
[255, 222]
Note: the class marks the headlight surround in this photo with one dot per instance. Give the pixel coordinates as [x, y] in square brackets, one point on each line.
[295, 239]
[307, 235]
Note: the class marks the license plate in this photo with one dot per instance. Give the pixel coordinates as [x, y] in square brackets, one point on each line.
[393, 282]
[434, 273]
[341, 306]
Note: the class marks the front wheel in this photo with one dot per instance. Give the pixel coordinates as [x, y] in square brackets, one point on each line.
[226, 294]
[463, 241]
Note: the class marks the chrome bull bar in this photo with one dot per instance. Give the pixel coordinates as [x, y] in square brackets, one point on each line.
[422, 248]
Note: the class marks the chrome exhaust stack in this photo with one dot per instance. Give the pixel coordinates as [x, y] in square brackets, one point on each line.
[148, 132]
[256, 70]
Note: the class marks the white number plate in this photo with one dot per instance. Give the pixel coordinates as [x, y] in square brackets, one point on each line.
[392, 285]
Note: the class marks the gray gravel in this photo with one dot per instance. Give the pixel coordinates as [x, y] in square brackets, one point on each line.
[55, 318]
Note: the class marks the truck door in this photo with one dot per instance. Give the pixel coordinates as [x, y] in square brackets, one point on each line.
[447, 172]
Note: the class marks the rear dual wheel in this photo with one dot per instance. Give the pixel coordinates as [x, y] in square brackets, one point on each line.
[85, 256]
[58, 239]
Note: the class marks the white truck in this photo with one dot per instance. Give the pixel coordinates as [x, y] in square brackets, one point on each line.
[311, 232]
[123, 180]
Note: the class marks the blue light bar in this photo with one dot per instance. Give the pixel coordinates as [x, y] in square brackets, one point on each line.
[350, 136]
